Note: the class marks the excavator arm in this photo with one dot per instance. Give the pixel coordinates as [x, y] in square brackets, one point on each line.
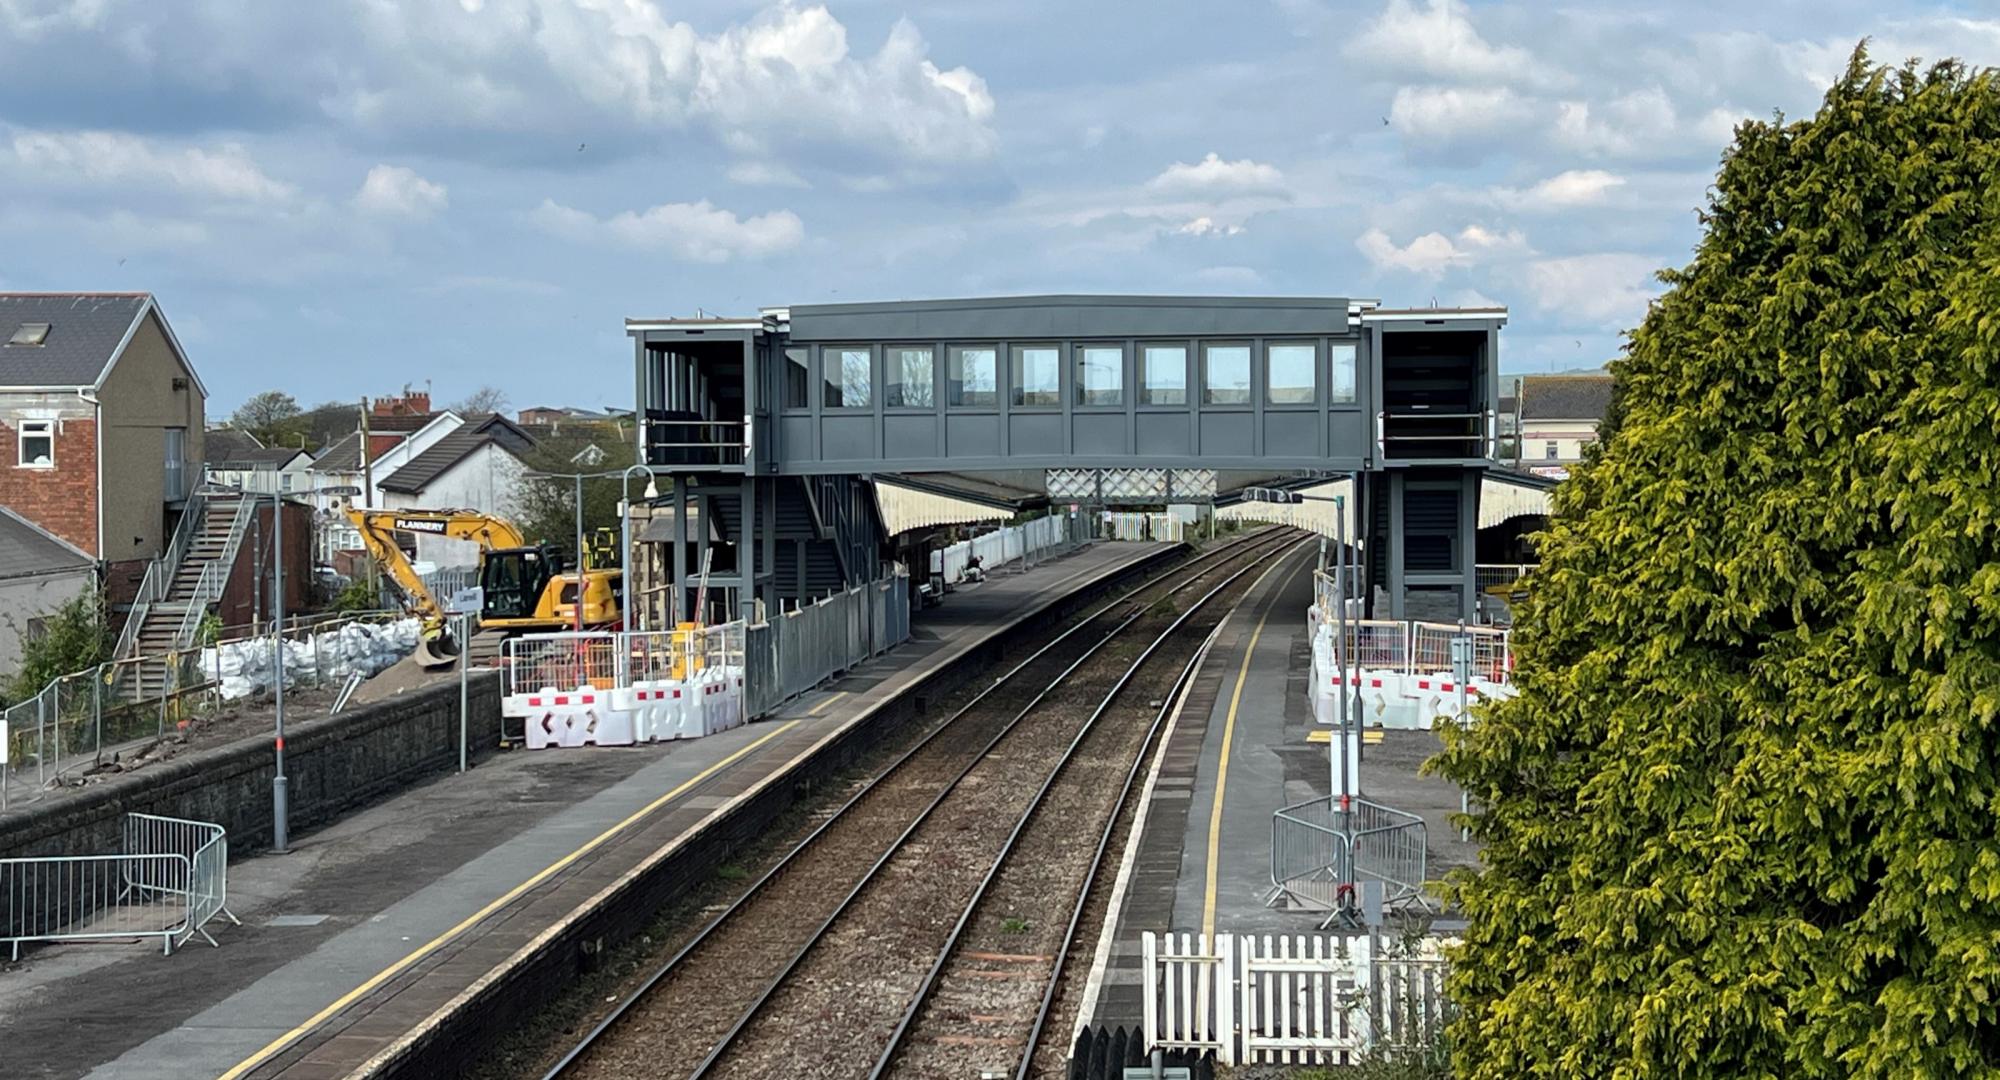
[378, 530]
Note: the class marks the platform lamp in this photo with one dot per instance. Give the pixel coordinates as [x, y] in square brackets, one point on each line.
[625, 516]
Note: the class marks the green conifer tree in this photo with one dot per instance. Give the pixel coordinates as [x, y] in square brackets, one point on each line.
[1743, 819]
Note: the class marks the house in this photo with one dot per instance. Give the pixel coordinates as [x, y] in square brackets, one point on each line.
[264, 470]
[39, 573]
[1559, 417]
[104, 416]
[478, 466]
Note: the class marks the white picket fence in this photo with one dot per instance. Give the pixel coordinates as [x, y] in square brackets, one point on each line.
[1291, 999]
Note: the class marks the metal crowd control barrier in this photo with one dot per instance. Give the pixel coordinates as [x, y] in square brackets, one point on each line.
[1039, 539]
[169, 879]
[778, 659]
[1414, 648]
[1322, 851]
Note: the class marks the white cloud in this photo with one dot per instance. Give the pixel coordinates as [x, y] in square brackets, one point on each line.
[1576, 187]
[395, 191]
[114, 158]
[1214, 178]
[784, 78]
[696, 232]
[765, 174]
[1451, 112]
[1433, 253]
[1609, 290]
[31, 19]
[1205, 226]
[1437, 38]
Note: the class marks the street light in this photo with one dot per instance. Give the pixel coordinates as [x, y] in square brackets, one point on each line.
[279, 804]
[625, 515]
[651, 492]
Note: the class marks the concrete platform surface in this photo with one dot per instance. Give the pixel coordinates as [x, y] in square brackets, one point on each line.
[1239, 751]
[372, 924]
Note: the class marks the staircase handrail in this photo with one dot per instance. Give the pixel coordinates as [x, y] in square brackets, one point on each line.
[158, 581]
[215, 576]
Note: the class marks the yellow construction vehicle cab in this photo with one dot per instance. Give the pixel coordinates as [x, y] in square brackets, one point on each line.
[527, 589]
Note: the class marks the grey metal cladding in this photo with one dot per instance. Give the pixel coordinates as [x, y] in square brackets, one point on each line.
[1021, 318]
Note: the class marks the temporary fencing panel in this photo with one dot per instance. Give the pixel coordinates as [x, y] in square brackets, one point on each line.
[1307, 999]
[169, 879]
[1041, 538]
[1323, 849]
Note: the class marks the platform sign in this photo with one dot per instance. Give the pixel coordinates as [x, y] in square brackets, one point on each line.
[469, 601]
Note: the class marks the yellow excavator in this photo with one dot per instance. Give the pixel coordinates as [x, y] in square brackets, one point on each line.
[526, 587]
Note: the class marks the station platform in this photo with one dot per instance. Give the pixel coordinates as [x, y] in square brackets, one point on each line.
[361, 937]
[1242, 747]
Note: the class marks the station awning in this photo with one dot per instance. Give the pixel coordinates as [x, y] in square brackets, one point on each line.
[1502, 498]
[1312, 516]
[905, 507]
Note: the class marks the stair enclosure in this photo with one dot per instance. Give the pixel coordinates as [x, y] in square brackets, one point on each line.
[180, 588]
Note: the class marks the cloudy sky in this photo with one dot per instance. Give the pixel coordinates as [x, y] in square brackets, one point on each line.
[340, 197]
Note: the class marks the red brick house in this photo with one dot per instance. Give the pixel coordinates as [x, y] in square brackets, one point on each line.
[101, 425]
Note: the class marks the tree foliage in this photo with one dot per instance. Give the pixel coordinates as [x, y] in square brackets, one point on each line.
[72, 638]
[547, 505]
[1741, 819]
[272, 416]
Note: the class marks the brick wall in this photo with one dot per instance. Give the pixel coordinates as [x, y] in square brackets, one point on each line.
[63, 499]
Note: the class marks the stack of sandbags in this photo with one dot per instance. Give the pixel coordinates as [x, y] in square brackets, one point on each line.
[245, 668]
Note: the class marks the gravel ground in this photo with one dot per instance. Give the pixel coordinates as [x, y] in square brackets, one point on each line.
[836, 1011]
[986, 999]
[717, 979]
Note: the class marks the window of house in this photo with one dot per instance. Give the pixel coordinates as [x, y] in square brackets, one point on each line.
[1553, 450]
[1036, 375]
[973, 372]
[1342, 362]
[798, 378]
[38, 444]
[1163, 375]
[907, 377]
[850, 376]
[1225, 378]
[1100, 375]
[36, 629]
[1289, 375]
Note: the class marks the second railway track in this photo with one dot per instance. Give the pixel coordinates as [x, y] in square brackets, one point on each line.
[819, 968]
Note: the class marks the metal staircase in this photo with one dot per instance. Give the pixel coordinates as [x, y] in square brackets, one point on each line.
[181, 588]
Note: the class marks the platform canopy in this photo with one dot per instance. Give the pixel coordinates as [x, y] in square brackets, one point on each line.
[1313, 515]
[1503, 497]
[905, 507]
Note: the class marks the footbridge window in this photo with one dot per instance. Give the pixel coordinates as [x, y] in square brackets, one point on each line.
[1037, 370]
[1225, 374]
[1163, 378]
[1100, 375]
[850, 376]
[973, 375]
[909, 377]
[1290, 373]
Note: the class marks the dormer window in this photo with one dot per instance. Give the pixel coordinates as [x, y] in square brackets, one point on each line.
[30, 335]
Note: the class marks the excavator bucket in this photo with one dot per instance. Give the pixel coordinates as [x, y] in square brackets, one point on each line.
[437, 651]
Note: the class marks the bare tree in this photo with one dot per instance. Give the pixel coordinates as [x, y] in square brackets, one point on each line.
[486, 399]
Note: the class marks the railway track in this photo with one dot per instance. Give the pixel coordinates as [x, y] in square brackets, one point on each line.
[814, 968]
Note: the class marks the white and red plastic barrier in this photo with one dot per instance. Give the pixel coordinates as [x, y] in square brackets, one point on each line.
[1391, 698]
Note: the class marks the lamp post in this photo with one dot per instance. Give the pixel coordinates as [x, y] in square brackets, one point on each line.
[279, 808]
[280, 838]
[578, 479]
[625, 516]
